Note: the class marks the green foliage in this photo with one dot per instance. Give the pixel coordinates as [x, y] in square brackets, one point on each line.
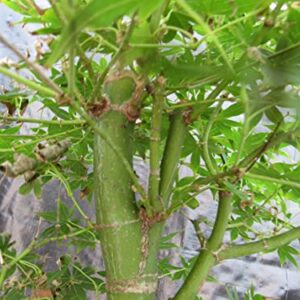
[227, 72]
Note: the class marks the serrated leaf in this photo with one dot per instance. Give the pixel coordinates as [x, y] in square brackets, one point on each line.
[49, 216]
[97, 14]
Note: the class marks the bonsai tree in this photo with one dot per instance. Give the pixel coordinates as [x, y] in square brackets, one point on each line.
[212, 85]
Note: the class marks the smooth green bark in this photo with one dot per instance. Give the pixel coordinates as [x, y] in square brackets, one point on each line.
[116, 213]
[209, 255]
[263, 245]
[171, 156]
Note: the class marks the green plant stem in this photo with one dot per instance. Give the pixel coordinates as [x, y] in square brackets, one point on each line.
[245, 129]
[211, 98]
[20, 136]
[45, 122]
[284, 51]
[273, 179]
[87, 63]
[171, 156]
[29, 83]
[154, 177]
[209, 255]
[273, 141]
[89, 279]
[279, 138]
[218, 89]
[82, 55]
[55, 172]
[201, 103]
[58, 12]
[46, 137]
[122, 242]
[72, 71]
[157, 15]
[100, 80]
[103, 134]
[35, 140]
[206, 156]
[34, 67]
[264, 245]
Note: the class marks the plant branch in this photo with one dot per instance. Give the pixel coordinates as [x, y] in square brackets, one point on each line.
[45, 122]
[158, 103]
[211, 98]
[114, 148]
[209, 255]
[157, 15]
[72, 71]
[55, 172]
[171, 156]
[86, 63]
[34, 138]
[264, 147]
[264, 245]
[199, 233]
[100, 80]
[36, 68]
[273, 140]
[273, 179]
[206, 155]
[29, 83]
[246, 123]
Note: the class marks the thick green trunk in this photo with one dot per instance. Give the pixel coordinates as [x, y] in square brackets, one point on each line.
[121, 235]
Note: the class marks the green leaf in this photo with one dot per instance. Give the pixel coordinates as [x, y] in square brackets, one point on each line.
[232, 188]
[97, 14]
[234, 233]
[37, 188]
[220, 7]
[54, 107]
[49, 216]
[146, 8]
[25, 188]
[274, 115]
[165, 241]
[286, 253]
[65, 213]
[233, 110]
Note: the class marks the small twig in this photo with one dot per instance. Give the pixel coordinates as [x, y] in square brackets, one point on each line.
[265, 147]
[86, 63]
[54, 172]
[36, 7]
[36, 68]
[29, 83]
[45, 122]
[44, 138]
[206, 154]
[199, 233]
[245, 128]
[71, 74]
